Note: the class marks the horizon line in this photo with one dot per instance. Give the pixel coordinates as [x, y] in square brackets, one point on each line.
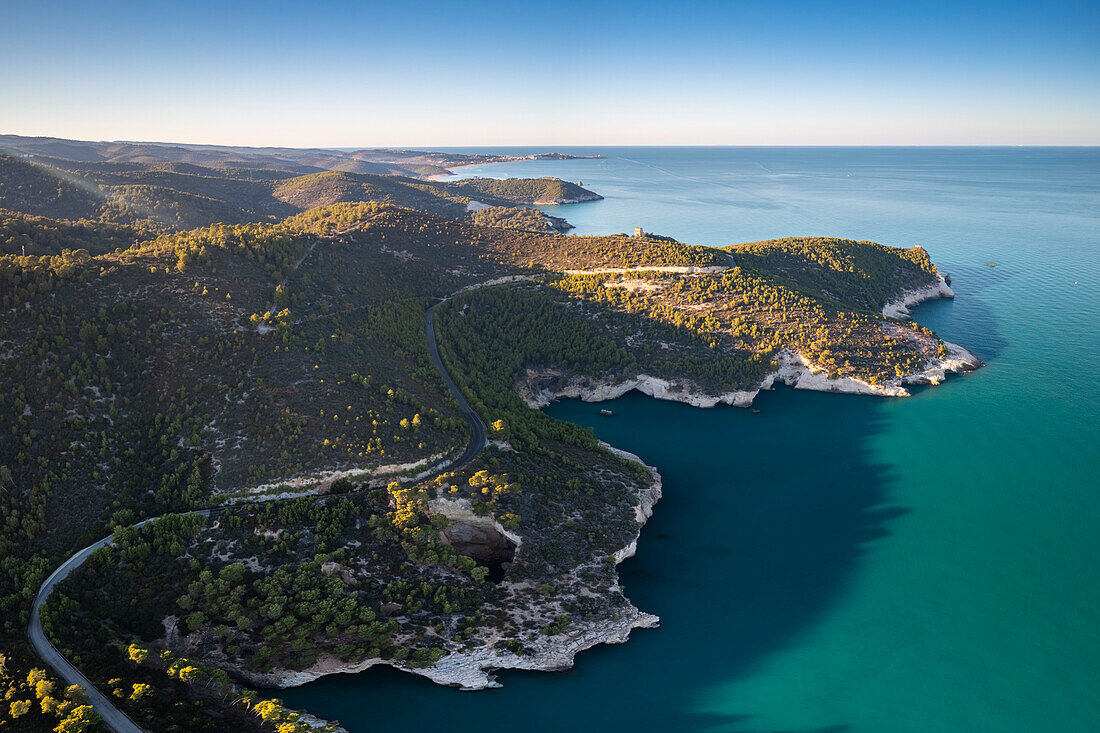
[430, 146]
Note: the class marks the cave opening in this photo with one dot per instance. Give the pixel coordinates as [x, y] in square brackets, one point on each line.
[484, 543]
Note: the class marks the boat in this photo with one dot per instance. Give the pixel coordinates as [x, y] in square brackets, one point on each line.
[755, 411]
[606, 413]
[992, 264]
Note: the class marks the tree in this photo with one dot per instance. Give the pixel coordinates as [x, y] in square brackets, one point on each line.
[76, 694]
[137, 654]
[190, 673]
[141, 692]
[269, 710]
[79, 719]
[43, 688]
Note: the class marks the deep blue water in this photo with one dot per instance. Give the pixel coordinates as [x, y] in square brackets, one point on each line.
[837, 562]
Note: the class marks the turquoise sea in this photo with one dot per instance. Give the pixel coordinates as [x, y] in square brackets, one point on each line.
[842, 563]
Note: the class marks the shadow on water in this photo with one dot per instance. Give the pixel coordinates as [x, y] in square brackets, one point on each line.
[968, 320]
[762, 526]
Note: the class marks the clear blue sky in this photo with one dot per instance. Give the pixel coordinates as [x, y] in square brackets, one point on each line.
[411, 73]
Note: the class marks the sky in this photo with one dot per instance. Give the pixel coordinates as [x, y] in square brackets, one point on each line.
[420, 74]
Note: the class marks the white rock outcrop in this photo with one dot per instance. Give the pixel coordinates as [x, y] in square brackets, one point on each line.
[899, 307]
[474, 670]
[793, 370]
[591, 390]
[956, 361]
[313, 484]
[462, 511]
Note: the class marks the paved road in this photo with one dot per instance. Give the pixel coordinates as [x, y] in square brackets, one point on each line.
[477, 426]
[114, 718]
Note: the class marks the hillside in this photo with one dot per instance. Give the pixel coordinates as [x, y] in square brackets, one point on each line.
[161, 196]
[330, 187]
[148, 198]
[518, 217]
[412, 163]
[38, 235]
[32, 189]
[864, 274]
[526, 190]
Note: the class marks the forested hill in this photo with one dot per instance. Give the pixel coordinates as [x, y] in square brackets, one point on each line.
[151, 198]
[445, 198]
[415, 163]
[330, 187]
[34, 189]
[864, 275]
[148, 370]
[526, 190]
[164, 196]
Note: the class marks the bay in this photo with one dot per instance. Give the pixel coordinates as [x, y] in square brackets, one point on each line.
[835, 562]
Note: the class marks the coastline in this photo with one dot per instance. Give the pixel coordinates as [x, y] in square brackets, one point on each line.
[452, 168]
[899, 307]
[794, 370]
[475, 669]
[514, 159]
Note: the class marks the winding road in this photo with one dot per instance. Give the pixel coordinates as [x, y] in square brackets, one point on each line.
[478, 437]
[114, 718]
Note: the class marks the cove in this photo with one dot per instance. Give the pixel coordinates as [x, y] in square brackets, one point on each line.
[764, 523]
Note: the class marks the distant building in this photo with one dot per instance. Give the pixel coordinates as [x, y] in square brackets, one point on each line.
[638, 232]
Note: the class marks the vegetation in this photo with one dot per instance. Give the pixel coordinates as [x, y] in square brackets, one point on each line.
[32, 189]
[330, 187]
[856, 275]
[147, 199]
[149, 196]
[748, 319]
[444, 199]
[525, 190]
[23, 234]
[38, 700]
[512, 217]
[150, 369]
[257, 163]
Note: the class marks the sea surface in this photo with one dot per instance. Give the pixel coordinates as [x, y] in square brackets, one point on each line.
[835, 562]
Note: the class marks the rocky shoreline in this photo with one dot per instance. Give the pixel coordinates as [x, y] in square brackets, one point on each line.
[794, 371]
[899, 307]
[474, 669]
